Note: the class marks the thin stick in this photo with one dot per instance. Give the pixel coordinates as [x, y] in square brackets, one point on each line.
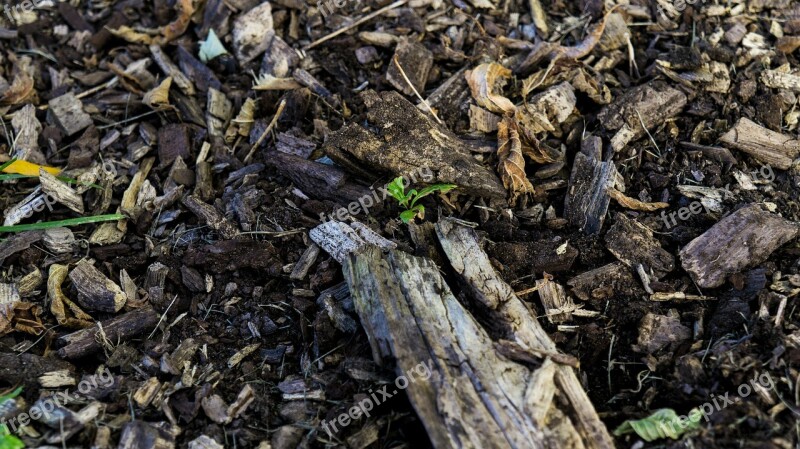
[266, 131]
[427, 106]
[355, 24]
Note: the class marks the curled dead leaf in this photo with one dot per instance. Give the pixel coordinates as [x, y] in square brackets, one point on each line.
[21, 90]
[512, 163]
[632, 203]
[482, 81]
[58, 301]
[163, 35]
[159, 95]
[243, 122]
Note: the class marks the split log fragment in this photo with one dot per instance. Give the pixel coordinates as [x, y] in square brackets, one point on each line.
[769, 147]
[121, 328]
[743, 239]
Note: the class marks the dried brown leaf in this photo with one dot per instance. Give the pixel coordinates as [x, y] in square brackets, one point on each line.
[21, 90]
[58, 301]
[162, 35]
[587, 45]
[512, 163]
[243, 122]
[159, 95]
[632, 203]
[482, 80]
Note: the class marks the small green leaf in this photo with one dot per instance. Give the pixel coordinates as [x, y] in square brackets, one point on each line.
[430, 189]
[408, 215]
[662, 423]
[211, 47]
[396, 189]
[9, 162]
[9, 441]
[11, 395]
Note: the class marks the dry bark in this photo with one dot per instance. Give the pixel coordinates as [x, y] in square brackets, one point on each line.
[742, 239]
[117, 329]
[409, 142]
[587, 199]
[769, 147]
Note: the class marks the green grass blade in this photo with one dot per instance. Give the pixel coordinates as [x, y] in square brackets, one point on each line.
[10, 176]
[60, 223]
[10, 161]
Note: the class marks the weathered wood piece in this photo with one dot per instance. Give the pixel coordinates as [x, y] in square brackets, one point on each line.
[769, 147]
[25, 369]
[170, 69]
[141, 435]
[416, 62]
[250, 31]
[647, 105]
[18, 242]
[66, 111]
[474, 398]
[743, 239]
[120, 328]
[60, 191]
[339, 239]
[554, 298]
[634, 245]
[210, 216]
[605, 282]
[300, 269]
[579, 424]
[95, 290]
[587, 199]
[59, 240]
[408, 142]
[27, 129]
[318, 180]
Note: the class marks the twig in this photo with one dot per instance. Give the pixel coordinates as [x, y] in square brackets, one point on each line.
[355, 24]
[427, 106]
[266, 131]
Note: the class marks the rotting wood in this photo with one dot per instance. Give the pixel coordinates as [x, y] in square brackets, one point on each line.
[743, 239]
[770, 147]
[606, 282]
[554, 299]
[410, 142]
[120, 328]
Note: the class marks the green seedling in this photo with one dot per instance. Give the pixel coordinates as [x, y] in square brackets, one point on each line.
[8, 441]
[409, 200]
[663, 423]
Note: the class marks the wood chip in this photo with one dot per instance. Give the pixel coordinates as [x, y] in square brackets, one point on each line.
[769, 147]
[741, 240]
